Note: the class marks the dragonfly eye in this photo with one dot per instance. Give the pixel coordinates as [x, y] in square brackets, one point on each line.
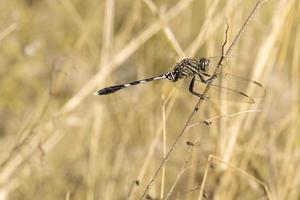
[204, 64]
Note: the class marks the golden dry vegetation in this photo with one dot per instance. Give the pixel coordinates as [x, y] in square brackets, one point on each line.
[58, 141]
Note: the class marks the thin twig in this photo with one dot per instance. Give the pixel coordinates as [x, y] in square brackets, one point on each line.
[192, 144]
[181, 194]
[180, 173]
[196, 108]
[238, 35]
[209, 121]
[186, 125]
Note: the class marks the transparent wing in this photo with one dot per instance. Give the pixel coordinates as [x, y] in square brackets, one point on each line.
[214, 60]
[231, 87]
[253, 88]
[223, 93]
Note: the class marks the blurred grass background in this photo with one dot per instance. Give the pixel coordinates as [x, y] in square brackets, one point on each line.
[58, 141]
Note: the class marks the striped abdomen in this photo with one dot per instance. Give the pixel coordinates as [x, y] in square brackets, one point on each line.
[116, 88]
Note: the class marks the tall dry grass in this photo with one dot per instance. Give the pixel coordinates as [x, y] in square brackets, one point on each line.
[58, 141]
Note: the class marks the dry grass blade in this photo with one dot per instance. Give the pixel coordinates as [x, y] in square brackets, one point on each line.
[107, 42]
[212, 157]
[192, 49]
[11, 28]
[164, 136]
[167, 30]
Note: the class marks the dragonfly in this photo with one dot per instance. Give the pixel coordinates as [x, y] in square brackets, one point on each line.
[196, 72]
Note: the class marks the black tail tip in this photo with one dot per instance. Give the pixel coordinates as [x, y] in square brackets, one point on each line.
[108, 90]
[101, 92]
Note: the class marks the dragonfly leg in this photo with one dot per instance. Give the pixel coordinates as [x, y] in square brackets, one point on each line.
[211, 78]
[202, 78]
[191, 89]
[207, 80]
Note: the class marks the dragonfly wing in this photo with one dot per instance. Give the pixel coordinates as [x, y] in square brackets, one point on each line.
[231, 87]
[222, 93]
[219, 92]
[253, 88]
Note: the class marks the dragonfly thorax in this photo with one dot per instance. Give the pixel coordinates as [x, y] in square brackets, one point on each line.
[188, 68]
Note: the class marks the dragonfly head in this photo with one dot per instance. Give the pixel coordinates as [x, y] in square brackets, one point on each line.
[204, 64]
